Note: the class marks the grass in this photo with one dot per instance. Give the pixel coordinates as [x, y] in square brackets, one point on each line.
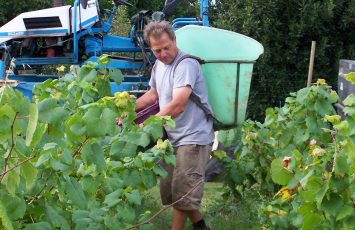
[219, 214]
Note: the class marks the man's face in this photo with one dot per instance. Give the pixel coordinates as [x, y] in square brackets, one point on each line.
[164, 48]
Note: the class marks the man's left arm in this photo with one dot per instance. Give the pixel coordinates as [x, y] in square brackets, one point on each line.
[178, 103]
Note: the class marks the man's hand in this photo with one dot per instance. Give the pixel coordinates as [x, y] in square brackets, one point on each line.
[177, 105]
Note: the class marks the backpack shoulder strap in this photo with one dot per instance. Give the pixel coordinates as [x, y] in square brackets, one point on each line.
[193, 97]
[188, 56]
[197, 100]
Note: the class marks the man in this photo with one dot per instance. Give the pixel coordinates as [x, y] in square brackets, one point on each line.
[172, 83]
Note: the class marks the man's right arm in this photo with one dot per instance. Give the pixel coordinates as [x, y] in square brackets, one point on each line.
[147, 99]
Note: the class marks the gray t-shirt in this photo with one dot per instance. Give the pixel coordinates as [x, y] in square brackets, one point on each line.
[192, 127]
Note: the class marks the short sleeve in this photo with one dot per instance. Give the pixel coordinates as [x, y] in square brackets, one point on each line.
[186, 73]
[152, 81]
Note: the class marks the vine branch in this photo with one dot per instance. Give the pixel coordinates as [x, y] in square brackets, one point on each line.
[18, 164]
[12, 146]
[39, 193]
[78, 150]
[165, 208]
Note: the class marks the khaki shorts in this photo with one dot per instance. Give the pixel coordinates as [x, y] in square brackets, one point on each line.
[191, 161]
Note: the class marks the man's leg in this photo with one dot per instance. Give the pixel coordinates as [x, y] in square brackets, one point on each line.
[194, 215]
[188, 177]
[179, 218]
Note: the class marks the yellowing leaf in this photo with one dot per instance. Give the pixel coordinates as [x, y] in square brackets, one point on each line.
[350, 77]
[321, 82]
[317, 152]
[103, 59]
[61, 69]
[334, 119]
[349, 100]
[285, 193]
[219, 154]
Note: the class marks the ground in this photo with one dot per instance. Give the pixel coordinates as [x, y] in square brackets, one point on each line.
[218, 213]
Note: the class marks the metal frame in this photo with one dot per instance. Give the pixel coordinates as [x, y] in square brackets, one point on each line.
[203, 20]
[238, 63]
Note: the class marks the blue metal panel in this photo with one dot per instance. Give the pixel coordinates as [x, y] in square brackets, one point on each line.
[45, 61]
[93, 46]
[26, 88]
[2, 69]
[119, 64]
[118, 44]
[135, 78]
[128, 86]
[183, 19]
[31, 78]
[179, 24]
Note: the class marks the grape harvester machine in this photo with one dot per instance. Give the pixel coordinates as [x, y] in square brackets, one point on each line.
[77, 34]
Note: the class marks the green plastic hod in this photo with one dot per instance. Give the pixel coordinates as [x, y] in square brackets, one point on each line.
[224, 49]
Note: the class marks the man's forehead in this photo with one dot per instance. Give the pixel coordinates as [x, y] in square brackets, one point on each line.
[163, 38]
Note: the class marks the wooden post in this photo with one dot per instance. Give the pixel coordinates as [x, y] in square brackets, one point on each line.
[311, 64]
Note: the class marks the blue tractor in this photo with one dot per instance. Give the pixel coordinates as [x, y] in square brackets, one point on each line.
[77, 34]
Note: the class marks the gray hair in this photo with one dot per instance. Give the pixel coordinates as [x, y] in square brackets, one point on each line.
[156, 29]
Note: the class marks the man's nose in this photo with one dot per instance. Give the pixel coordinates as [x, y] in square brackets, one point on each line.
[163, 53]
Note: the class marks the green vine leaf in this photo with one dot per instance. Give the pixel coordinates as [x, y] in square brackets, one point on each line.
[103, 87]
[32, 123]
[87, 74]
[113, 198]
[29, 173]
[38, 226]
[134, 197]
[56, 219]
[279, 174]
[75, 193]
[345, 212]
[50, 112]
[5, 220]
[14, 205]
[115, 75]
[12, 180]
[333, 204]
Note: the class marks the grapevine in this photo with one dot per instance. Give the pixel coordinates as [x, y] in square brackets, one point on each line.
[302, 157]
[64, 161]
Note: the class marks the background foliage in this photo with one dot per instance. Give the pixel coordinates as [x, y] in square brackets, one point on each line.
[286, 30]
[10, 9]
